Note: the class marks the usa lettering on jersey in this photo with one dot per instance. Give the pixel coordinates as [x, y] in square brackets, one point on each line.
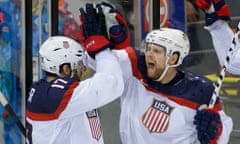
[156, 118]
[95, 124]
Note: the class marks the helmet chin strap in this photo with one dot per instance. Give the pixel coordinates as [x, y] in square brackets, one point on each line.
[163, 74]
[165, 71]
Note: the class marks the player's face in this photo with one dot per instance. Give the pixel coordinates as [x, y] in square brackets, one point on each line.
[79, 70]
[155, 60]
[66, 70]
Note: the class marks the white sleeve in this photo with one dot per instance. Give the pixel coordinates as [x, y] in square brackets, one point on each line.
[105, 86]
[125, 63]
[90, 62]
[234, 66]
[222, 37]
[227, 128]
[123, 59]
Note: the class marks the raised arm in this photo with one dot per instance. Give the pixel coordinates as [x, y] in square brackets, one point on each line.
[217, 13]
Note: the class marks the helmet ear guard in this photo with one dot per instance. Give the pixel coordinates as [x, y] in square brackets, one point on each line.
[58, 50]
[49, 66]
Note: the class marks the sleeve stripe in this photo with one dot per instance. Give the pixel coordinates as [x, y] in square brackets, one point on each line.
[134, 62]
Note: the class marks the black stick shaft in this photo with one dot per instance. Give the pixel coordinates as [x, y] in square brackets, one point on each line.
[8, 107]
[222, 74]
[15, 118]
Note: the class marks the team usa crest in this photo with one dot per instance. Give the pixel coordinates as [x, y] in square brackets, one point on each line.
[157, 117]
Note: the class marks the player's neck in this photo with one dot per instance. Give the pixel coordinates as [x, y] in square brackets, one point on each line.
[171, 73]
[51, 78]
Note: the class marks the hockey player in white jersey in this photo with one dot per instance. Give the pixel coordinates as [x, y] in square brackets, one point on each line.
[160, 103]
[62, 110]
[217, 13]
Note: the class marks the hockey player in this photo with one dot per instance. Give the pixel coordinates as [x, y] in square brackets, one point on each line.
[217, 13]
[62, 110]
[161, 103]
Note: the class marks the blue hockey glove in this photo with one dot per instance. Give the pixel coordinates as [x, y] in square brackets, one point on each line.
[220, 10]
[116, 26]
[94, 29]
[208, 124]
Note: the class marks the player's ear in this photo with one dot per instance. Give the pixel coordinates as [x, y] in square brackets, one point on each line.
[174, 58]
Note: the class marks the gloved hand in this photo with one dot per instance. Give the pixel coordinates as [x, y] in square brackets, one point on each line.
[116, 26]
[215, 9]
[94, 30]
[208, 124]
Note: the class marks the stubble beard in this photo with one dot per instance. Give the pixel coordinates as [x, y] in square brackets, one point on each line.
[154, 75]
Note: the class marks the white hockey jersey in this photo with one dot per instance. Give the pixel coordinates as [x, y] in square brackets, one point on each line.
[222, 36]
[63, 111]
[152, 113]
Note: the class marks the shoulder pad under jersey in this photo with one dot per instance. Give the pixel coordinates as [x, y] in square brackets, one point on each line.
[196, 88]
[45, 97]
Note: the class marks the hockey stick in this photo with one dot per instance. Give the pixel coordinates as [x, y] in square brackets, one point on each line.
[8, 107]
[221, 77]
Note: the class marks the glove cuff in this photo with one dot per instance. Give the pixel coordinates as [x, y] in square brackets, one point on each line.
[203, 4]
[224, 12]
[95, 44]
[211, 18]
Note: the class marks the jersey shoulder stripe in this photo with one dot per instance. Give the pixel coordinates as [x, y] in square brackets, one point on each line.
[50, 99]
[192, 91]
[137, 60]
